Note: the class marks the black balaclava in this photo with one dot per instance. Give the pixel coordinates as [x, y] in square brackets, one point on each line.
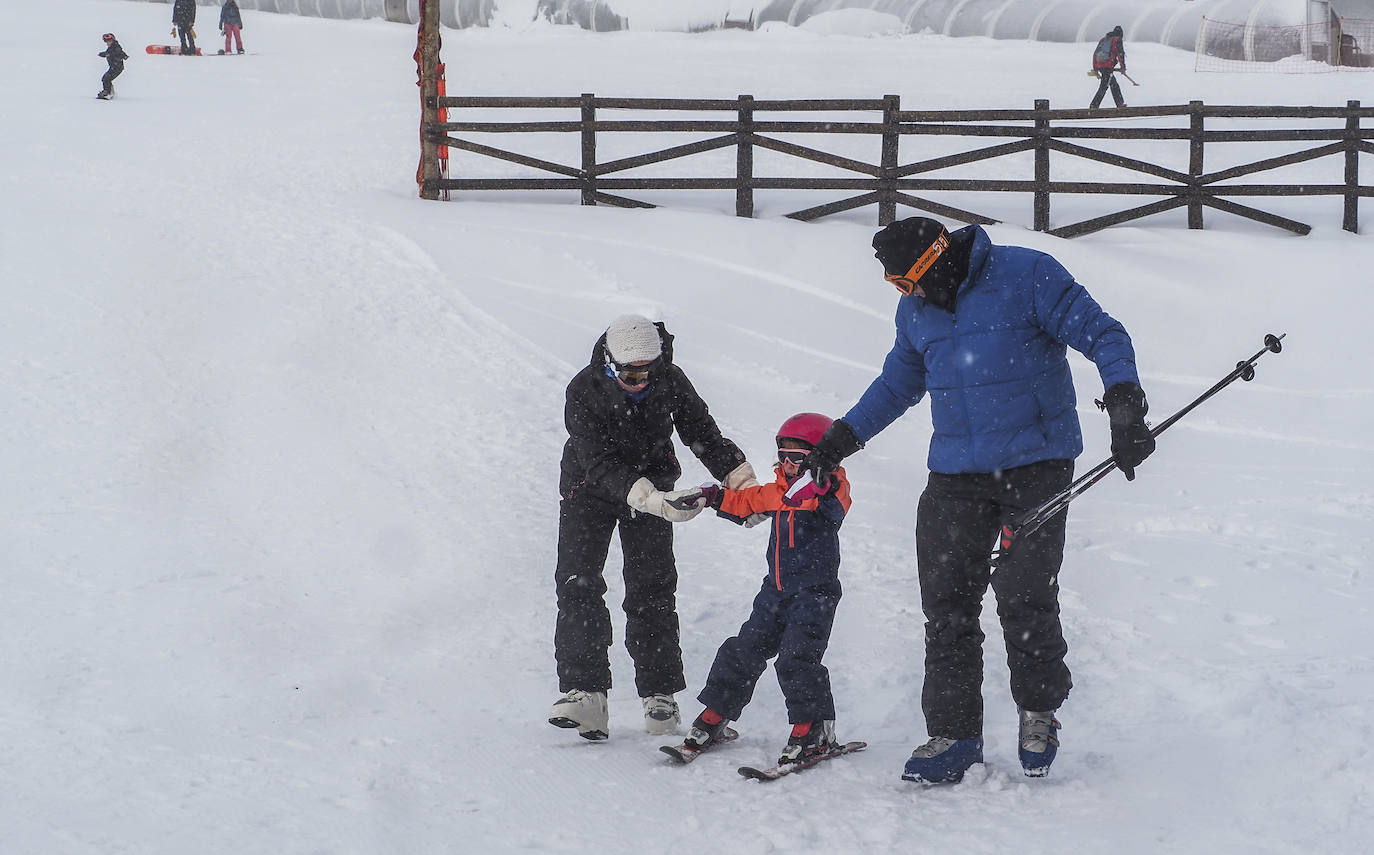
[899, 244]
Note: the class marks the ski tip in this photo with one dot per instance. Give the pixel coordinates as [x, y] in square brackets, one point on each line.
[677, 753]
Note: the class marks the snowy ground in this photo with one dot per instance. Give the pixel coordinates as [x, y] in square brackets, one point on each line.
[280, 457]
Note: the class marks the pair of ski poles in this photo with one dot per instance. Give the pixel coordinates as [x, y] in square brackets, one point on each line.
[1026, 523]
[1121, 71]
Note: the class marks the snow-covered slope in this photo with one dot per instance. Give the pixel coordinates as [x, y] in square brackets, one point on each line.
[280, 455]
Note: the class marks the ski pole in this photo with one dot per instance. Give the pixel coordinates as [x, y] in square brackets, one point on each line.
[1038, 516]
[1123, 73]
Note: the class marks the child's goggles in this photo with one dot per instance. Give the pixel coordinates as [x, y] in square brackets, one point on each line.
[794, 455]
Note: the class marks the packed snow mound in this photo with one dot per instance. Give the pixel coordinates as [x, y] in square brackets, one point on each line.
[853, 22]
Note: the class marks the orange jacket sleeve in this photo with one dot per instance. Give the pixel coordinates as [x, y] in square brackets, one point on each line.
[768, 497]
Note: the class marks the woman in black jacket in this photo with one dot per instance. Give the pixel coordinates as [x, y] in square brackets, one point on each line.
[619, 468]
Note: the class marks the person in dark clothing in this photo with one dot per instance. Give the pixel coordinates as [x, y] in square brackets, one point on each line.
[231, 24]
[984, 330]
[794, 609]
[114, 57]
[184, 22]
[618, 471]
[1110, 52]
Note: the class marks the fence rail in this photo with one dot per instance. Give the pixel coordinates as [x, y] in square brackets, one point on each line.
[889, 182]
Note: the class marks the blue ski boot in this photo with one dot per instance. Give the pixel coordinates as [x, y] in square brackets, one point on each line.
[943, 760]
[1038, 742]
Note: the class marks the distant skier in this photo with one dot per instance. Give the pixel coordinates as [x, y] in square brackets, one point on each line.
[184, 22]
[231, 24]
[618, 472]
[1110, 51]
[115, 56]
[795, 609]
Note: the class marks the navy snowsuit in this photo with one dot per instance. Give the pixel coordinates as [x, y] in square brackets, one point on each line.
[793, 610]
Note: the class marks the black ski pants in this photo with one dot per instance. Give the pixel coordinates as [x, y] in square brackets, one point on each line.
[582, 637]
[188, 39]
[107, 79]
[957, 522]
[1108, 80]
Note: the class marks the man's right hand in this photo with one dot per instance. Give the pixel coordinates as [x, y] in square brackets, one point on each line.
[836, 444]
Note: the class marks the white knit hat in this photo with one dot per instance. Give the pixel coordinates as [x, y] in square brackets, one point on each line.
[633, 338]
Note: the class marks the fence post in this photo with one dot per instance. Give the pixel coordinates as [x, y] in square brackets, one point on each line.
[1042, 165]
[1194, 164]
[887, 201]
[427, 57]
[588, 149]
[1351, 221]
[744, 159]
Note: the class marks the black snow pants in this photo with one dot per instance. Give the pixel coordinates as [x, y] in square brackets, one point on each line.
[1108, 80]
[188, 39]
[957, 522]
[582, 636]
[107, 79]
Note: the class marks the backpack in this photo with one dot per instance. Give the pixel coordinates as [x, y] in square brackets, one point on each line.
[1104, 55]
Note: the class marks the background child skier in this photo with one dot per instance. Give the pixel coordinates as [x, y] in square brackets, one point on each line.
[115, 56]
[794, 609]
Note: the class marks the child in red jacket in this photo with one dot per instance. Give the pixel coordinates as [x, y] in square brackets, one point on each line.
[795, 607]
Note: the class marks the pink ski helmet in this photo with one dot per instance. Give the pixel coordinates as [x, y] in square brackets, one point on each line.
[807, 427]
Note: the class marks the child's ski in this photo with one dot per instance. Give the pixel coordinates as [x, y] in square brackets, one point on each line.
[173, 50]
[776, 772]
[685, 753]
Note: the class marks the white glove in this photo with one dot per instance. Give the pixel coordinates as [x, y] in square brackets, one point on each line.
[754, 519]
[648, 499]
[740, 477]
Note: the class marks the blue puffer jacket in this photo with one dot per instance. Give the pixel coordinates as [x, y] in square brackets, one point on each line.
[1001, 394]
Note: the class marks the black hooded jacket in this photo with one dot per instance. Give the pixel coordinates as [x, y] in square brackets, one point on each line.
[614, 440]
[184, 13]
[114, 54]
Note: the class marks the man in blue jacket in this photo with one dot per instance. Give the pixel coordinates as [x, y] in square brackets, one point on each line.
[984, 331]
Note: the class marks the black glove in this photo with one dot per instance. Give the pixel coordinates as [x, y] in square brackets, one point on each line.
[1131, 439]
[836, 444]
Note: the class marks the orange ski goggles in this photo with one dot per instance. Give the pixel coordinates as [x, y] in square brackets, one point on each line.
[906, 282]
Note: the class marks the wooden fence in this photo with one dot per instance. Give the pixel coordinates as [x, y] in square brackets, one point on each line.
[891, 182]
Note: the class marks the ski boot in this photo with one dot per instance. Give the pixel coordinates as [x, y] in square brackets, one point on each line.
[943, 760]
[1038, 742]
[583, 710]
[807, 740]
[705, 730]
[660, 714]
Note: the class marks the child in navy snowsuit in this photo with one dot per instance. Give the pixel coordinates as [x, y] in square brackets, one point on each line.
[795, 607]
[114, 55]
